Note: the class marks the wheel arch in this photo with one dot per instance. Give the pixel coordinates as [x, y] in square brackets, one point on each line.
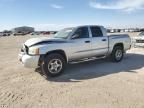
[120, 45]
[59, 51]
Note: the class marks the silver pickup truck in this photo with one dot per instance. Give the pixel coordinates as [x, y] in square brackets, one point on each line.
[72, 45]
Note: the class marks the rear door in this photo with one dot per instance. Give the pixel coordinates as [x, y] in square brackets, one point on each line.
[99, 42]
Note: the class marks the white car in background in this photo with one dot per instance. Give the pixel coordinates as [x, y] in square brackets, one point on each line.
[138, 41]
[35, 33]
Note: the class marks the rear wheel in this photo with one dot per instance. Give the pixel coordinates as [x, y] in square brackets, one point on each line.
[53, 65]
[117, 54]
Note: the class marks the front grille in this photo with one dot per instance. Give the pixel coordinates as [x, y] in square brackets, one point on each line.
[25, 49]
[139, 41]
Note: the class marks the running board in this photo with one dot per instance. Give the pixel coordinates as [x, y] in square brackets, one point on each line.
[86, 59]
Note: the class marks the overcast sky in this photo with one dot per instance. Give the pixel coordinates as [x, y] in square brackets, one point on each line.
[57, 14]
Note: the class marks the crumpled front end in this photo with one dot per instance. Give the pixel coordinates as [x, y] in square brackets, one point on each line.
[29, 61]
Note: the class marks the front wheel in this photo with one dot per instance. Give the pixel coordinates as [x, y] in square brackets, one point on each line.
[53, 65]
[117, 54]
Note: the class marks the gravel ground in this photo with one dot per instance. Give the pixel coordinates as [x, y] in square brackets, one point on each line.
[94, 84]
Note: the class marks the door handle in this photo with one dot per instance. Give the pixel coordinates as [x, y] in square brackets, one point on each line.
[104, 40]
[87, 41]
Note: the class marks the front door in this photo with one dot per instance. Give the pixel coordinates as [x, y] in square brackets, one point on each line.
[80, 44]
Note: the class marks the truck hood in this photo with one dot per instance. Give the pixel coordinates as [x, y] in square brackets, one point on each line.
[43, 40]
[139, 38]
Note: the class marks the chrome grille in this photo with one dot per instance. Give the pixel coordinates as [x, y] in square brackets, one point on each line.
[139, 41]
[24, 49]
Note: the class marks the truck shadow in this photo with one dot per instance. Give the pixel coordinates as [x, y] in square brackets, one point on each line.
[100, 68]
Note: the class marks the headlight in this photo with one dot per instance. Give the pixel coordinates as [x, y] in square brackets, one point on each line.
[34, 51]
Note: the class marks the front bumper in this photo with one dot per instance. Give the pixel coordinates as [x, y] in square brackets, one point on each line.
[28, 61]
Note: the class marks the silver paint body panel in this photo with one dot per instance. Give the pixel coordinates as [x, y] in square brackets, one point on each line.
[78, 48]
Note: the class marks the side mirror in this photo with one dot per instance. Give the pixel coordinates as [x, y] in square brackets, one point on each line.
[75, 36]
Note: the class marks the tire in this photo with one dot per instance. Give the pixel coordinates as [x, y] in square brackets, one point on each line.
[117, 54]
[53, 65]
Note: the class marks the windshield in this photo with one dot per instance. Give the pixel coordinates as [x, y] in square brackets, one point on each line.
[141, 34]
[63, 33]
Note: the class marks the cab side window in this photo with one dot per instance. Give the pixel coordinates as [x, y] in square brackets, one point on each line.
[96, 32]
[82, 32]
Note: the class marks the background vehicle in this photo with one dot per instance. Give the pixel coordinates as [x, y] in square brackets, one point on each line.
[139, 40]
[19, 34]
[72, 45]
[5, 33]
[35, 33]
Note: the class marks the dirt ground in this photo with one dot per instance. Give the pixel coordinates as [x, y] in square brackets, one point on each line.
[94, 84]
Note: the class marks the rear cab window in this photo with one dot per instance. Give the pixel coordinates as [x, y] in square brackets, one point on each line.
[96, 31]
